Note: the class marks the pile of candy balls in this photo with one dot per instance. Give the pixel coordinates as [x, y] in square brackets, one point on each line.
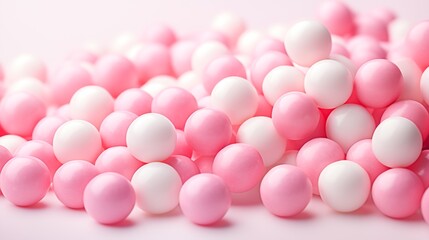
[336, 107]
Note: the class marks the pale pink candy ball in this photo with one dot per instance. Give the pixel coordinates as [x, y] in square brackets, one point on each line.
[221, 68]
[67, 80]
[416, 43]
[113, 129]
[425, 205]
[181, 55]
[281, 80]
[26, 65]
[205, 199]
[285, 190]
[240, 165]
[378, 83]
[307, 42]
[41, 150]
[177, 104]
[367, 25]
[338, 18]
[63, 112]
[295, 115]
[134, 100]
[421, 167]
[70, 180]
[364, 48]
[264, 107]
[5, 156]
[204, 164]
[230, 25]
[207, 131]
[248, 41]
[118, 159]
[315, 155]
[77, 139]
[151, 61]
[268, 45]
[411, 74]
[92, 104]
[31, 86]
[424, 85]
[12, 142]
[20, 112]
[25, 181]
[205, 53]
[45, 129]
[264, 64]
[115, 73]
[199, 91]
[161, 34]
[182, 146]
[319, 132]
[236, 97]
[110, 191]
[362, 154]
[329, 82]
[185, 167]
[349, 124]
[397, 193]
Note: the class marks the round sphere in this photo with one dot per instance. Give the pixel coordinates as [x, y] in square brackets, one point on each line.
[11, 142]
[32, 86]
[425, 205]
[25, 181]
[157, 186]
[181, 55]
[307, 42]
[113, 129]
[267, 45]
[77, 139]
[152, 60]
[220, 68]
[286, 190]
[397, 193]
[5, 156]
[119, 160]
[70, 180]
[421, 167]
[110, 191]
[424, 85]
[185, 167]
[397, 142]
[45, 129]
[151, 137]
[329, 82]
[161, 34]
[295, 115]
[206, 53]
[26, 66]
[230, 25]
[337, 17]
[344, 186]
[134, 100]
[416, 42]
[205, 199]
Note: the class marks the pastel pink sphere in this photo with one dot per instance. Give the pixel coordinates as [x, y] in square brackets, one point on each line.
[118, 159]
[176, 104]
[207, 131]
[416, 42]
[315, 155]
[46, 128]
[113, 129]
[161, 34]
[185, 167]
[110, 191]
[240, 166]
[181, 55]
[378, 83]
[295, 115]
[25, 181]
[5, 156]
[205, 199]
[182, 146]
[20, 112]
[70, 180]
[421, 167]
[268, 45]
[151, 61]
[286, 190]
[372, 26]
[425, 205]
[134, 100]
[337, 17]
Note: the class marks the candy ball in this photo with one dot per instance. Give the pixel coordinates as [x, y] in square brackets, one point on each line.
[70, 180]
[421, 167]
[32, 86]
[112, 192]
[205, 199]
[162, 34]
[416, 42]
[220, 68]
[11, 142]
[397, 142]
[45, 129]
[118, 159]
[5, 156]
[231, 25]
[134, 100]
[425, 205]
[157, 186]
[113, 129]
[337, 17]
[206, 53]
[151, 137]
[181, 55]
[286, 190]
[26, 66]
[344, 186]
[185, 167]
[151, 61]
[397, 193]
[424, 85]
[24, 181]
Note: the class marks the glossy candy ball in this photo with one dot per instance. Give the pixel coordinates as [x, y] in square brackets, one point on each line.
[337, 17]
[185, 167]
[113, 129]
[416, 42]
[134, 100]
[118, 159]
[205, 53]
[45, 129]
[220, 68]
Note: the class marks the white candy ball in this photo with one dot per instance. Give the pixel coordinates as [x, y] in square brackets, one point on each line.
[151, 138]
[156, 84]
[308, 42]
[329, 82]
[281, 80]
[411, 74]
[260, 133]
[189, 80]
[349, 124]
[230, 25]
[344, 186]
[157, 186]
[424, 85]
[30, 85]
[12, 142]
[206, 53]
[236, 97]
[248, 41]
[26, 66]
[397, 142]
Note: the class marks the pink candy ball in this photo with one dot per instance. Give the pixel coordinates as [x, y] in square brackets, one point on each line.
[20, 112]
[181, 55]
[416, 42]
[118, 159]
[24, 181]
[421, 167]
[182, 146]
[46, 128]
[268, 45]
[113, 129]
[337, 17]
[110, 191]
[5, 156]
[425, 205]
[397, 193]
[134, 100]
[286, 190]
[295, 115]
[161, 34]
[184, 166]
[205, 199]
[315, 155]
[70, 180]
[372, 26]
[153, 60]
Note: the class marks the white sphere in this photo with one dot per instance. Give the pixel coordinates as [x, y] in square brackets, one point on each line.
[77, 140]
[157, 186]
[236, 97]
[308, 42]
[189, 80]
[281, 80]
[260, 133]
[248, 41]
[156, 84]
[32, 86]
[26, 65]
[346, 61]
[344, 186]
[398, 30]
[329, 82]
[123, 43]
[424, 85]
[12, 142]
[230, 25]
[151, 138]
[349, 124]
[397, 142]
[411, 74]
[206, 53]
[92, 104]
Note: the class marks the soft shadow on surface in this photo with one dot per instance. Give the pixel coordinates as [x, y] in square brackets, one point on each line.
[302, 216]
[127, 223]
[416, 217]
[222, 224]
[249, 198]
[173, 213]
[37, 206]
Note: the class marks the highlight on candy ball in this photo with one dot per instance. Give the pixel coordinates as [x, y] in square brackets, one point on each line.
[184, 122]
